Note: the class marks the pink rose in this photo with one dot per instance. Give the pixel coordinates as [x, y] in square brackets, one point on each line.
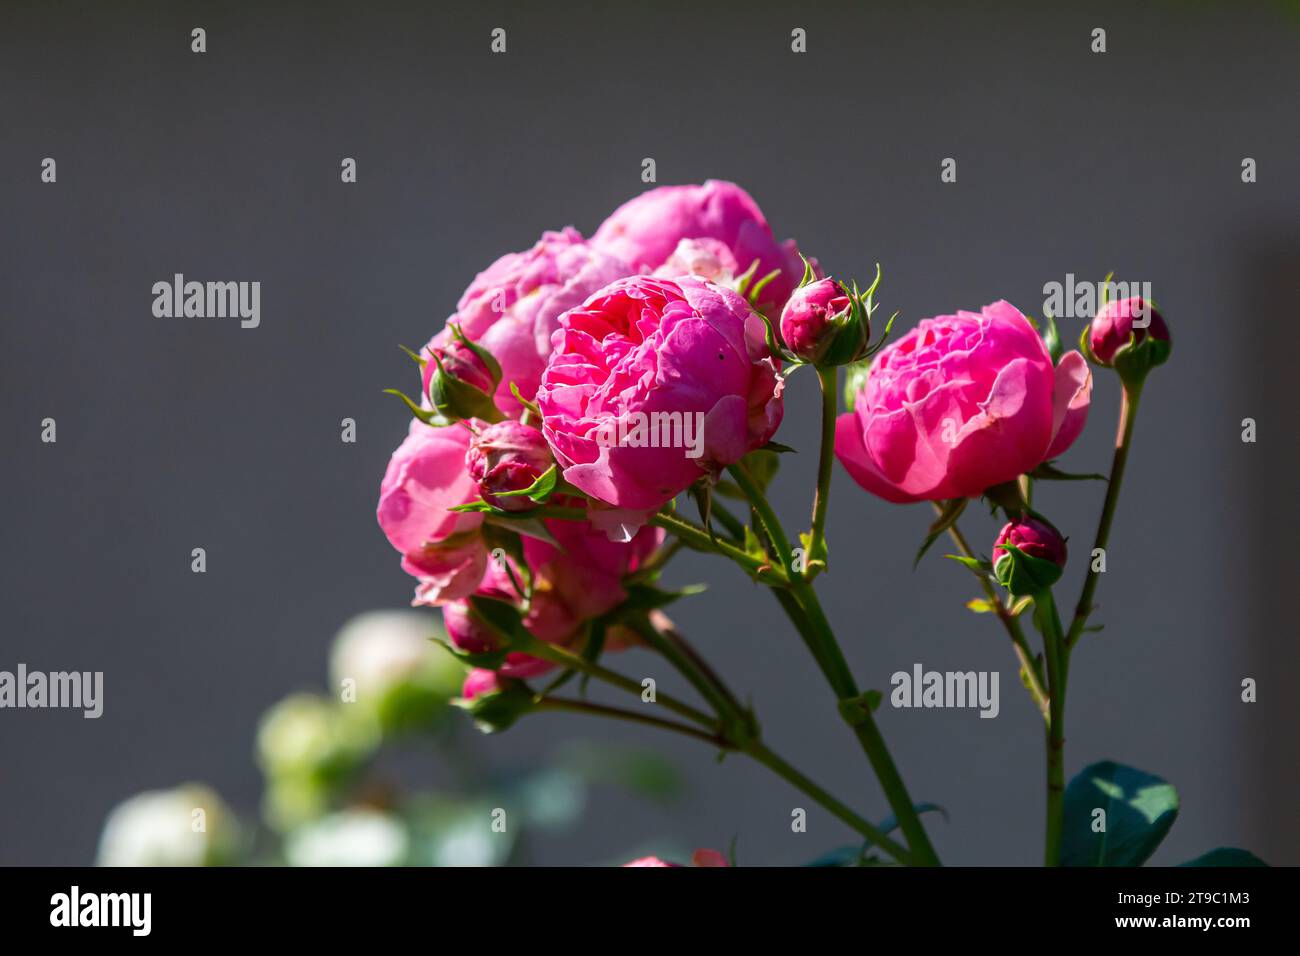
[508, 456]
[580, 580]
[654, 383]
[426, 476]
[512, 307]
[706, 258]
[586, 572]
[961, 403]
[645, 231]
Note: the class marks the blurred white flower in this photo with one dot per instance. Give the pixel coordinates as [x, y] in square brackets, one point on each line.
[185, 826]
[380, 649]
[349, 838]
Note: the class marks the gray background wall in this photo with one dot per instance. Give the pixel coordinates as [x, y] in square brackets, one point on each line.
[175, 434]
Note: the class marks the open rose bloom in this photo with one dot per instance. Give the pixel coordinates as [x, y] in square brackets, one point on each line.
[653, 384]
[959, 404]
[728, 229]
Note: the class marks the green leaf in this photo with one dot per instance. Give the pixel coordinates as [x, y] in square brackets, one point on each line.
[762, 464]
[1226, 856]
[1139, 810]
[645, 597]
[951, 510]
[539, 491]
[975, 564]
[423, 414]
[780, 449]
[531, 406]
[532, 527]
[981, 605]
[475, 506]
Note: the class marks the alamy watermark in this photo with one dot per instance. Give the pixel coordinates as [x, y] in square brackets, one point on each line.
[922, 688]
[208, 300]
[655, 430]
[1073, 299]
[78, 690]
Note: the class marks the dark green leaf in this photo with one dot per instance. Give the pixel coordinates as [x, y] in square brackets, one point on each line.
[1139, 810]
[1226, 856]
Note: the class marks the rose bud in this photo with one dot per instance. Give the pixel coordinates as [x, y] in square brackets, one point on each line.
[823, 321]
[471, 636]
[653, 384]
[645, 231]
[1134, 320]
[508, 457]
[480, 682]
[460, 378]
[495, 702]
[961, 403]
[1028, 556]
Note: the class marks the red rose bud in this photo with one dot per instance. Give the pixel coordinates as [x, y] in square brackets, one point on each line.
[508, 457]
[460, 378]
[495, 702]
[823, 321]
[1133, 319]
[1028, 556]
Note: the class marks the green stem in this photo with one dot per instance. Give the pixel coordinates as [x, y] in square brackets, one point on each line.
[698, 538]
[828, 379]
[782, 769]
[859, 717]
[1058, 667]
[729, 522]
[810, 620]
[1123, 442]
[1025, 654]
[760, 504]
[579, 663]
[672, 651]
[632, 716]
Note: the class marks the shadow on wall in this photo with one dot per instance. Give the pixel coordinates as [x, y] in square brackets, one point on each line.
[1266, 606]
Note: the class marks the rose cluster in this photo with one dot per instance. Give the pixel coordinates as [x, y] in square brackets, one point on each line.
[601, 376]
[583, 384]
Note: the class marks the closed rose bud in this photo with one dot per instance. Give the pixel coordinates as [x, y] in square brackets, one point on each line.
[495, 702]
[1118, 321]
[480, 682]
[816, 317]
[506, 457]
[460, 378]
[1038, 560]
[471, 636]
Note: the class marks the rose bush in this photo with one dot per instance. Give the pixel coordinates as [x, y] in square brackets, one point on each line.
[649, 363]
